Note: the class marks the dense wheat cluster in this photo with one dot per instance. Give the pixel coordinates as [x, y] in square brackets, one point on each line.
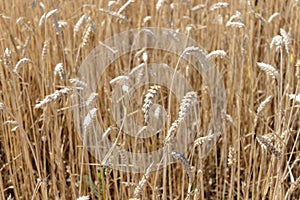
[253, 44]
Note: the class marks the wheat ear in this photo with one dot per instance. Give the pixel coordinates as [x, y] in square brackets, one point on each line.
[58, 94]
[186, 103]
[266, 143]
[148, 101]
[178, 156]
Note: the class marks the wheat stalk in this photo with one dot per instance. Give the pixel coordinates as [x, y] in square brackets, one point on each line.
[45, 50]
[216, 53]
[219, 5]
[231, 160]
[148, 101]
[125, 5]
[263, 104]
[114, 14]
[261, 107]
[142, 183]
[266, 143]
[91, 99]
[201, 140]
[86, 35]
[21, 21]
[79, 24]
[269, 69]
[58, 94]
[59, 69]
[89, 118]
[20, 62]
[239, 21]
[286, 38]
[178, 156]
[7, 60]
[185, 106]
[51, 13]
[273, 16]
[276, 41]
[25, 46]
[198, 7]
[236, 24]
[78, 83]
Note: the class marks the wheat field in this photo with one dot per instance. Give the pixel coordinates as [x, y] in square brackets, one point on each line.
[254, 45]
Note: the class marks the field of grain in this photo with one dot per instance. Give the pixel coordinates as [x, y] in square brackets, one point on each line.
[255, 47]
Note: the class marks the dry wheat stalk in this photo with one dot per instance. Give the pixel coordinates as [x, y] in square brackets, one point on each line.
[7, 60]
[139, 52]
[277, 41]
[25, 46]
[146, 19]
[20, 62]
[186, 103]
[125, 5]
[128, 184]
[236, 17]
[286, 38]
[45, 49]
[236, 21]
[243, 46]
[267, 144]
[178, 156]
[198, 7]
[269, 69]
[191, 49]
[261, 107]
[216, 53]
[91, 99]
[8, 63]
[142, 183]
[227, 118]
[79, 24]
[263, 104]
[273, 16]
[219, 5]
[89, 118]
[42, 19]
[185, 106]
[57, 25]
[21, 21]
[231, 156]
[91, 23]
[171, 132]
[201, 140]
[59, 69]
[58, 94]
[78, 83]
[257, 15]
[148, 101]
[51, 13]
[236, 24]
[86, 35]
[11, 122]
[114, 14]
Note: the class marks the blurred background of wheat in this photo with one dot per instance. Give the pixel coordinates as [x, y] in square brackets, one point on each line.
[42, 45]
